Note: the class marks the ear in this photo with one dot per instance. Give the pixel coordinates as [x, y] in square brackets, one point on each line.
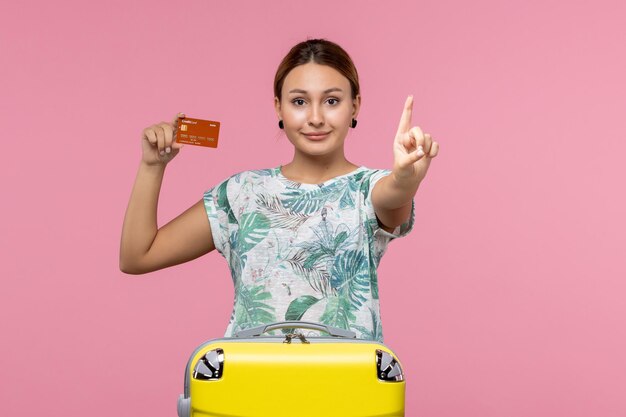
[356, 106]
[277, 108]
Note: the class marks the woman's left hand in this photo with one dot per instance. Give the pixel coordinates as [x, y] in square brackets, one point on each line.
[412, 149]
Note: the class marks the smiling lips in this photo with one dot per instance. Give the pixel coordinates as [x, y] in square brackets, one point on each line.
[316, 135]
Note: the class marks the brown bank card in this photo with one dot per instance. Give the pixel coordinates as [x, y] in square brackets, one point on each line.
[197, 132]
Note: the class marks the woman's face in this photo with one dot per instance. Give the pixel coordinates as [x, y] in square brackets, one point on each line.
[317, 98]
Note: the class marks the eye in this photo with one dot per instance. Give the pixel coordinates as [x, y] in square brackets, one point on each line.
[297, 99]
[334, 99]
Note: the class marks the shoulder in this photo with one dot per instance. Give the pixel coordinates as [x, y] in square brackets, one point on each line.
[369, 173]
[252, 175]
[227, 194]
[368, 177]
[239, 178]
[363, 173]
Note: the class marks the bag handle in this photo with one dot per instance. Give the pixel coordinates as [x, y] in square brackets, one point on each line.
[333, 331]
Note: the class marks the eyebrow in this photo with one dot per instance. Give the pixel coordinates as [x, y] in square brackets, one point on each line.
[297, 90]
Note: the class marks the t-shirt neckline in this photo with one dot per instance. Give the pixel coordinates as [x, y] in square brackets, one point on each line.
[279, 174]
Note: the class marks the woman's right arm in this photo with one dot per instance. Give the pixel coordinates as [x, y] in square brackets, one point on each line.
[144, 247]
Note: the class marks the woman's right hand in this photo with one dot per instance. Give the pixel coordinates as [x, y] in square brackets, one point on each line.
[158, 142]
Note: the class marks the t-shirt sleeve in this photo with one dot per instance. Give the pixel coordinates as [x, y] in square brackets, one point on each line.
[220, 215]
[399, 231]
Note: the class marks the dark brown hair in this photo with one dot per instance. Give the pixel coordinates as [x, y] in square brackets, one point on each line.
[319, 51]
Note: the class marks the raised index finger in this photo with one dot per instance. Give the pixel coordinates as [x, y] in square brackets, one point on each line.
[405, 120]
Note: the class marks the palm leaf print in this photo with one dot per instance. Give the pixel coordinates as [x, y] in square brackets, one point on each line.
[374, 285]
[324, 231]
[318, 278]
[278, 215]
[310, 201]
[222, 202]
[355, 178]
[291, 184]
[353, 183]
[317, 256]
[253, 227]
[322, 246]
[375, 333]
[265, 172]
[238, 259]
[237, 264]
[350, 281]
[314, 260]
[337, 313]
[350, 277]
[327, 244]
[369, 229]
[297, 308]
[250, 309]
[340, 238]
[333, 240]
[346, 200]
[365, 185]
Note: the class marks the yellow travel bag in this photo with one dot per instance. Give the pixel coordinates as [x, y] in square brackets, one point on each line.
[256, 375]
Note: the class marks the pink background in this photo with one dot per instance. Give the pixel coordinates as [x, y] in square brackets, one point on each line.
[508, 299]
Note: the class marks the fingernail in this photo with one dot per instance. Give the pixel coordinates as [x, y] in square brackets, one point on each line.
[162, 153]
[168, 150]
[420, 151]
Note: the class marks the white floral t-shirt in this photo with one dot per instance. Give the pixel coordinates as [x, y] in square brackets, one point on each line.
[300, 251]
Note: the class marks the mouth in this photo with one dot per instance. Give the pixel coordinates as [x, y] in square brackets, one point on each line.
[317, 135]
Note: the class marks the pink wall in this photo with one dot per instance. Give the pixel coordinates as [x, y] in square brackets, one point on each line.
[506, 300]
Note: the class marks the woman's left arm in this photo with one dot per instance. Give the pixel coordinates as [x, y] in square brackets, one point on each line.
[413, 150]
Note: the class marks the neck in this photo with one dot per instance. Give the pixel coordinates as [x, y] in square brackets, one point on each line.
[315, 169]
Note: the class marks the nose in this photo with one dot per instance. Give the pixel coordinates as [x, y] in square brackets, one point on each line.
[316, 116]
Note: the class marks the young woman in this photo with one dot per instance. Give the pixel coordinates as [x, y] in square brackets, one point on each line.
[303, 240]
